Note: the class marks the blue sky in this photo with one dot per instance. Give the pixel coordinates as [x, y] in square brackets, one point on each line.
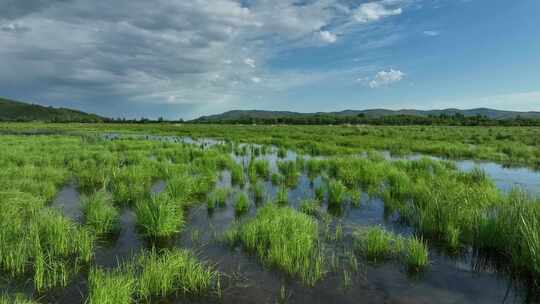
[181, 59]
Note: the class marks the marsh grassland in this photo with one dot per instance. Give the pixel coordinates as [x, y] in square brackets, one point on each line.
[266, 214]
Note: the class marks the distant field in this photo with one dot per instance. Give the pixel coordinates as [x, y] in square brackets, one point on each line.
[504, 145]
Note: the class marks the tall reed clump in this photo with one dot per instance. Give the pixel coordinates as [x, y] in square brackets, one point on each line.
[175, 271]
[237, 174]
[159, 217]
[116, 286]
[262, 168]
[259, 192]
[336, 193]
[282, 152]
[15, 299]
[290, 172]
[282, 195]
[416, 254]
[310, 207]
[241, 204]
[377, 244]
[99, 213]
[283, 238]
[132, 183]
[512, 227]
[218, 198]
[151, 275]
[40, 241]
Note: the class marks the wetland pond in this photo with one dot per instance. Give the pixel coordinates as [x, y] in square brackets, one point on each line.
[461, 278]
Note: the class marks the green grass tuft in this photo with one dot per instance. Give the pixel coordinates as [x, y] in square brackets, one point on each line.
[99, 213]
[284, 238]
[159, 217]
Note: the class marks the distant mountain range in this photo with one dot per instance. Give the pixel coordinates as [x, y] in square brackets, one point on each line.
[11, 110]
[373, 113]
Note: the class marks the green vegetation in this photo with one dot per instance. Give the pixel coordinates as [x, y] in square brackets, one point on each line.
[111, 287]
[284, 238]
[259, 193]
[152, 274]
[99, 213]
[218, 198]
[159, 217]
[377, 244]
[336, 193]
[459, 211]
[18, 111]
[38, 240]
[310, 207]
[473, 117]
[169, 272]
[241, 204]
[16, 299]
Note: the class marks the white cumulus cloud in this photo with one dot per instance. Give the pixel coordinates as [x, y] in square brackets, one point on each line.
[373, 11]
[250, 62]
[384, 78]
[327, 37]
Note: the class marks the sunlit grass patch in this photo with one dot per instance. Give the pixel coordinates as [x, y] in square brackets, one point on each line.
[284, 238]
[117, 286]
[241, 204]
[336, 193]
[259, 192]
[416, 253]
[175, 271]
[160, 216]
[99, 213]
[218, 198]
[310, 207]
[39, 241]
[377, 244]
[153, 274]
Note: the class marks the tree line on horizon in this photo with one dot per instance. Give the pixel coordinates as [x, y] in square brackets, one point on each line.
[457, 119]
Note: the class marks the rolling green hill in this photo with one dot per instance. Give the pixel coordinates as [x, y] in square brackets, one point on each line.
[11, 110]
[237, 115]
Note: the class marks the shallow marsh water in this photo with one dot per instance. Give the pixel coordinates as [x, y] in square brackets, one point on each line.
[449, 279]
